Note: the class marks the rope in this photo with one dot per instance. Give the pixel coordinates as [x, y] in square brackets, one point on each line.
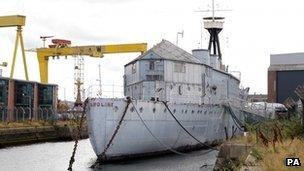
[203, 144]
[72, 159]
[159, 141]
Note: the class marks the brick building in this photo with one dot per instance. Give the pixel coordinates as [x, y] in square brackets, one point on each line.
[285, 73]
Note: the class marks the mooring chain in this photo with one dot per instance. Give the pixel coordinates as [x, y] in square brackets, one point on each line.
[236, 121]
[161, 143]
[103, 154]
[79, 129]
[149, 130]
[201, 143]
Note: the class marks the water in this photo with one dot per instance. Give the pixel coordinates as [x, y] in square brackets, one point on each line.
[55, 156]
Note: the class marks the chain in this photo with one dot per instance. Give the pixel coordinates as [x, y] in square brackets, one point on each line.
[79, 128]
[236, 121]
[201, 143]
[103, 154]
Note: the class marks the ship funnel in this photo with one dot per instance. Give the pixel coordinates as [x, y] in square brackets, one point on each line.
[203, 55]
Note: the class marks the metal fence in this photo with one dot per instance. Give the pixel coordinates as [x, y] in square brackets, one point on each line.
[19, 114]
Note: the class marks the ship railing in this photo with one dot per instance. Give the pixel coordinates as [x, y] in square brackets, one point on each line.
[105, 91]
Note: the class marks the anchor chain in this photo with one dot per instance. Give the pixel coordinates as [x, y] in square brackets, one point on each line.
[164, 145]
[179, 123]
[103, 154]
[79, 129]
[236, 121]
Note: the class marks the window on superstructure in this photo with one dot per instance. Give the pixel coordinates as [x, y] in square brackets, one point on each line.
[154, 77]
[179, 67]
[151, 65]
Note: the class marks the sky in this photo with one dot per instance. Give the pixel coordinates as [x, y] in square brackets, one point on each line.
[253, 30]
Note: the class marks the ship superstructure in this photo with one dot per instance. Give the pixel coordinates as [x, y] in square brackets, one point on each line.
[169, 73]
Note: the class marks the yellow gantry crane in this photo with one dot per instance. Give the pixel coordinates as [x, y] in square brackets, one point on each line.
[16, 21]
[60, 49]
[43, 54]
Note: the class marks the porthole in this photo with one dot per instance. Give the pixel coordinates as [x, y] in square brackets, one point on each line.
[115, 108]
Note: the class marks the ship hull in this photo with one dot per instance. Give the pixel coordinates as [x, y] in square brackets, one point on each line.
[208, 123]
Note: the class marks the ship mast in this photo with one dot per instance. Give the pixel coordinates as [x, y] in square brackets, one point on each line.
[214, 25]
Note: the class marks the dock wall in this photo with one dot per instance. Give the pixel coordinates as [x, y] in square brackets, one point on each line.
[26, 135]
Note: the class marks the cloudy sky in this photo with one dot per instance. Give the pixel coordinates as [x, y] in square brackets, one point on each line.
[254, 29]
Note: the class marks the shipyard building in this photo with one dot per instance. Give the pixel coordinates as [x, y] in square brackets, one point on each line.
[285, 73]
[21, 100]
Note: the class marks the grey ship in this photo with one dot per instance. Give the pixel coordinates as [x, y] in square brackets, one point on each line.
[174, 101]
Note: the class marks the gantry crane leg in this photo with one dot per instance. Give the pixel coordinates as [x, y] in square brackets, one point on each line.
[19, 38]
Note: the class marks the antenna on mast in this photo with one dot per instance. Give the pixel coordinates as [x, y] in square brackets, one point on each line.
[213, 10]
[179, 33]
